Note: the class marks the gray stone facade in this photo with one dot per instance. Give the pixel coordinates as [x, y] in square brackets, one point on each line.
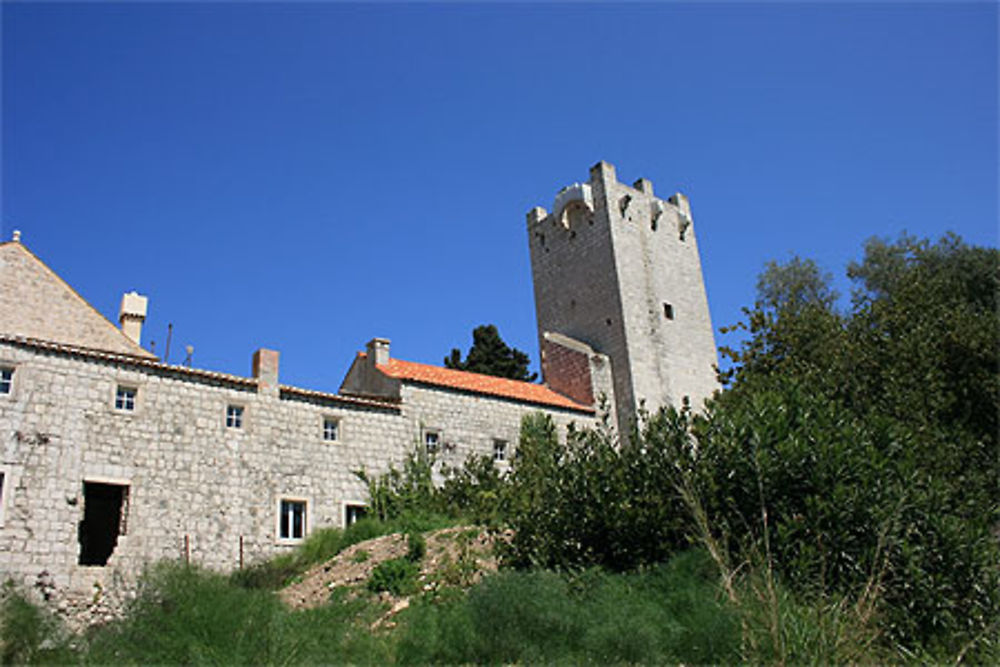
[196, 488]
[618, 268]
[111, 460]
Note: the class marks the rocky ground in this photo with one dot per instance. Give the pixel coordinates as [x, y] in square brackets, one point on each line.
[456, 557]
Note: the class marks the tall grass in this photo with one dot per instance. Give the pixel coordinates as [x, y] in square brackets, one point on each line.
[668, 614]
[185, 615]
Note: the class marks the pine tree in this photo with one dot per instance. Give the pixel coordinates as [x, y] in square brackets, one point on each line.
[490, 355]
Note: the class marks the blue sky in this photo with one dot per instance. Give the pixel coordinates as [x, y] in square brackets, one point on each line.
[307, 176]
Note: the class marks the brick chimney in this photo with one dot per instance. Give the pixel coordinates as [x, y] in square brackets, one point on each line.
[265, 370]
[132, 314]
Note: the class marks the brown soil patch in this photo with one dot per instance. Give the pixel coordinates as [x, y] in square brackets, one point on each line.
[457, 556]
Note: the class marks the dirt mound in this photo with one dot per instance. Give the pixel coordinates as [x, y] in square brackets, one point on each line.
[457, 556]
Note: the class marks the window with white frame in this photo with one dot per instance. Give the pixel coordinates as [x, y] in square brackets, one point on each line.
[331, 429]
[6, 379]
[292, 519]
[432, 441]
[125, 398]
[499, 450]
[234, 416]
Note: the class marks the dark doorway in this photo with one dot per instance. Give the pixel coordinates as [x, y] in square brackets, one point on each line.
[104, 508]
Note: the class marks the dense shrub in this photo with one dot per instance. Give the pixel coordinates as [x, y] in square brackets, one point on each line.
[29, 634]
[397, 576]
[416, 546]
[472, 492]
[595, 500]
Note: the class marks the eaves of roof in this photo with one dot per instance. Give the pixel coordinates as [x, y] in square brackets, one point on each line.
[194, 373]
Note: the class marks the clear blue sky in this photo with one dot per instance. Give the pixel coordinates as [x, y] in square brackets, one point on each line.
[308, 176]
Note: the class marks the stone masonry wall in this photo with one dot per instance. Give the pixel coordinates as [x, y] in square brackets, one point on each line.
[671, 346]
[468, 424]
[196, 487]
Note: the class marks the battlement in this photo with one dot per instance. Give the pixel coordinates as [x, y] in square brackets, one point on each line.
[578, 203]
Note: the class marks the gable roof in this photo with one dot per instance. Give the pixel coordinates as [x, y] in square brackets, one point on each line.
[36, 303]
[479, 384]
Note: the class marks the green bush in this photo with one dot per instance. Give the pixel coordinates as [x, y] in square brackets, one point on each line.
[29, 634]
[416, 546]
[596, 500]
[838, 505]
[397, 576]
[473, 492]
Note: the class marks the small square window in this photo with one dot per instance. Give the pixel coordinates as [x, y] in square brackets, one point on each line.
[125, 398]
[292, 520]
[6, 380]
[432, 441]
[499, 450]
[234, 416]
[331, 429]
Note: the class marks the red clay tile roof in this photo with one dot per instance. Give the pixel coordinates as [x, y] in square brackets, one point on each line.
[478, 383]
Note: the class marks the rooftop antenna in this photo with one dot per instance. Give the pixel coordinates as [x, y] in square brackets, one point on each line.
[190, 353]
[166, 351]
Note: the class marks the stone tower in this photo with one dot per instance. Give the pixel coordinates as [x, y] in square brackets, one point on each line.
[617, 268]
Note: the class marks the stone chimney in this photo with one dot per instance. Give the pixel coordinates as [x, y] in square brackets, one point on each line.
[132, 314]
[378, 351]
[265, 370]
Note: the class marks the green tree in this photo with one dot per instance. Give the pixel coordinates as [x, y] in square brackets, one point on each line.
[925, 341]
[793, 328]
[871, 436]
[490, 355]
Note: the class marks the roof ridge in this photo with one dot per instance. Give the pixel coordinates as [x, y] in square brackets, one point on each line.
[459, 370]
